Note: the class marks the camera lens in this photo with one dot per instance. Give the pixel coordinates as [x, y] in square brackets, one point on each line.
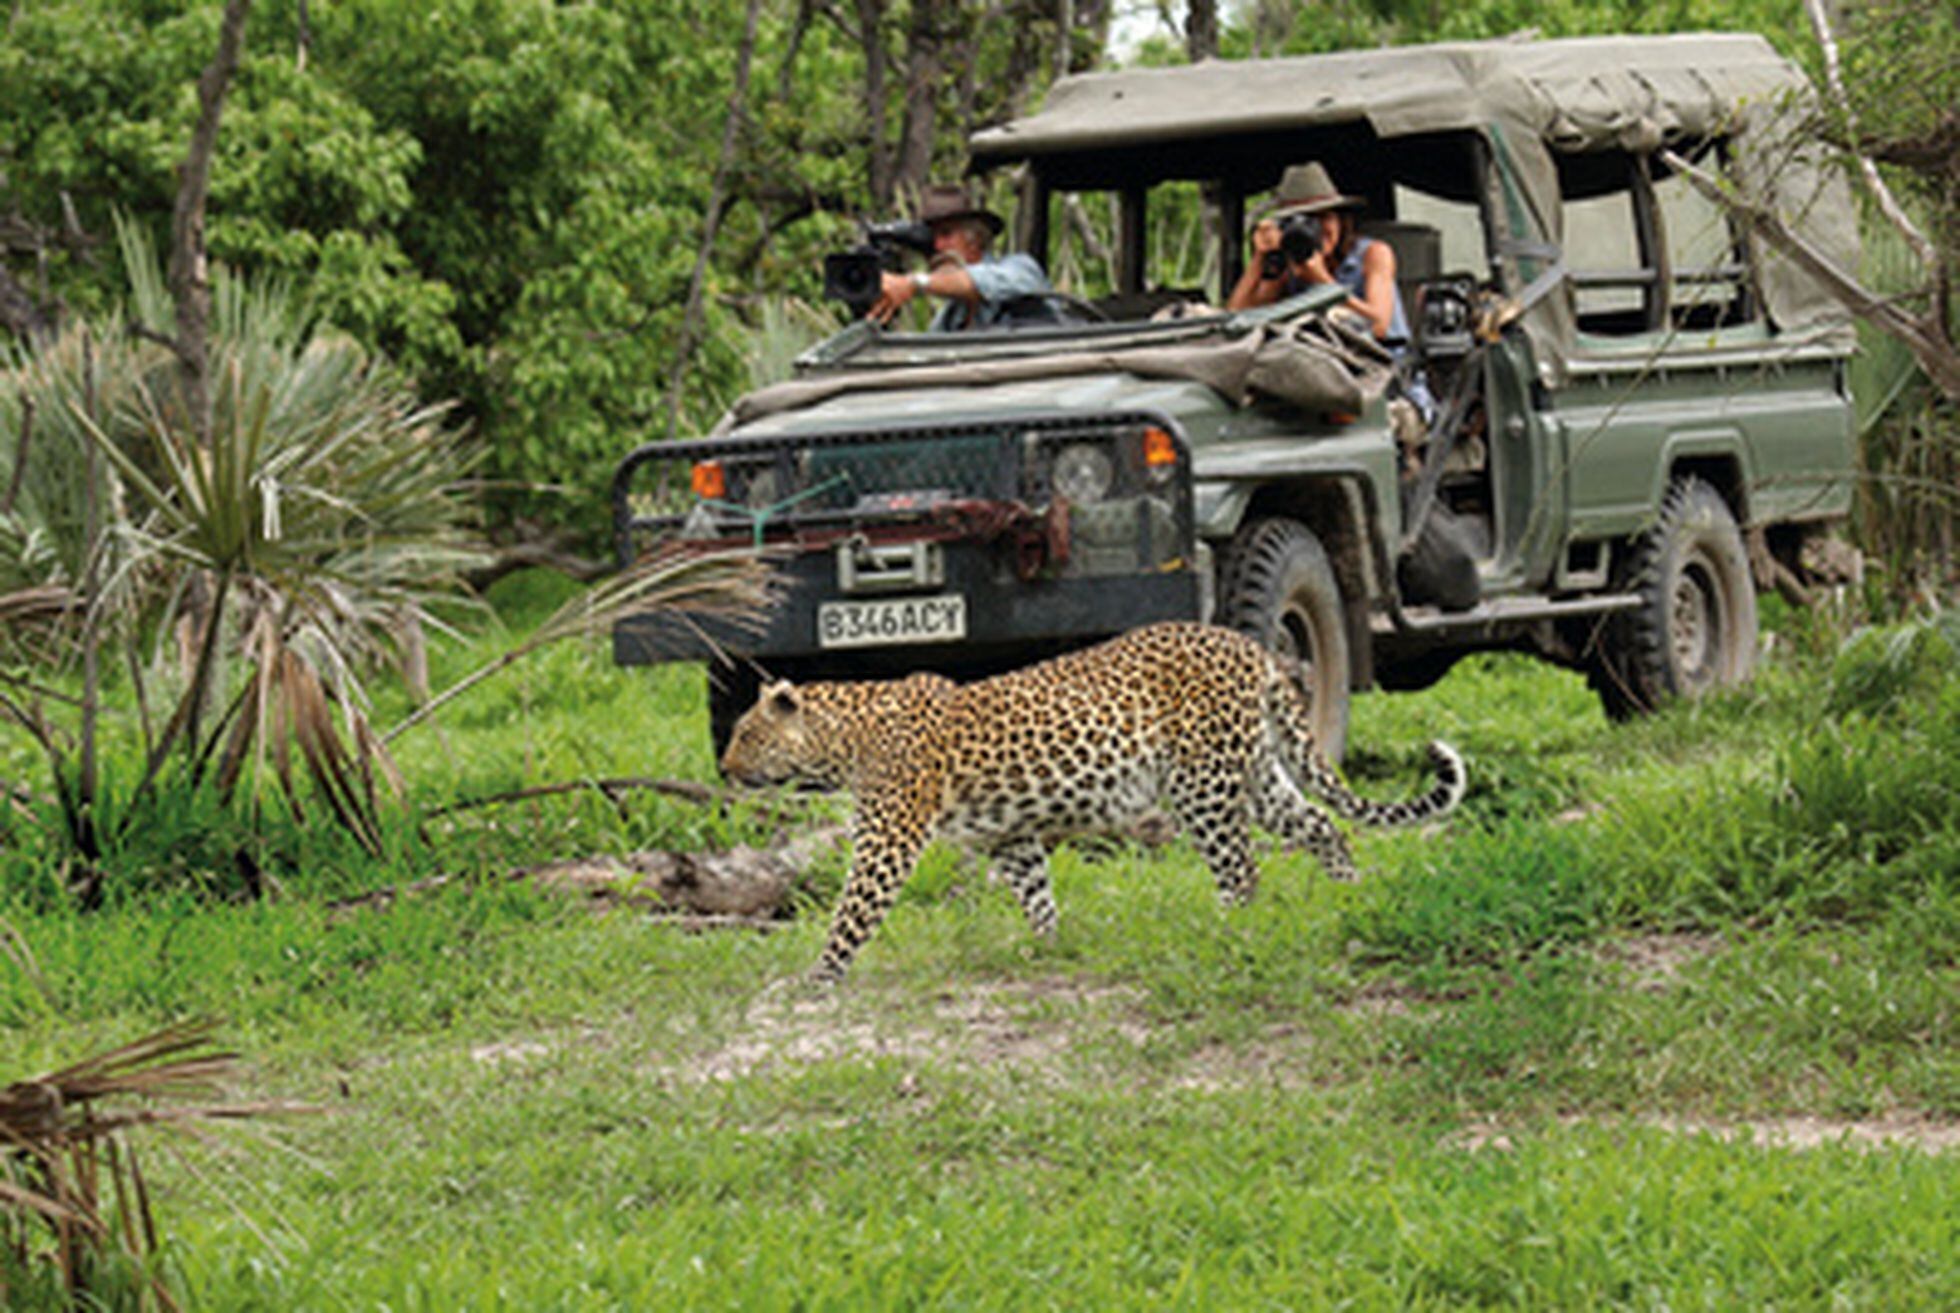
[852, 276]
[1299, 237]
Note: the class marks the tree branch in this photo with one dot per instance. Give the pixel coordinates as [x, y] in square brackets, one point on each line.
[1924, 337]
[1888, 204]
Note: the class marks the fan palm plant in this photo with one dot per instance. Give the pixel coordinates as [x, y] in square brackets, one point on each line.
[253, 576]
[320, 521]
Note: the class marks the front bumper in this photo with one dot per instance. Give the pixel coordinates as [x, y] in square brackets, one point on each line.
[877, 525]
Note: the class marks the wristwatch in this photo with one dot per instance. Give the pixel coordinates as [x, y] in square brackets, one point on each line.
[919, 281]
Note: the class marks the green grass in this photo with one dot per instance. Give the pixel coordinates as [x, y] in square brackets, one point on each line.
[1463, 1081]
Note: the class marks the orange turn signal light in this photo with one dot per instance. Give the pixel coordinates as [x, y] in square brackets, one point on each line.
[1159, 448]
[709, 479]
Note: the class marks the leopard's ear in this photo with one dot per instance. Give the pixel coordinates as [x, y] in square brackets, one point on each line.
[782, 698]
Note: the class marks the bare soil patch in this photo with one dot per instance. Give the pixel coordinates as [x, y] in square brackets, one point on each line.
[1653, 963]
[1911, 1130]
[1027, 1025]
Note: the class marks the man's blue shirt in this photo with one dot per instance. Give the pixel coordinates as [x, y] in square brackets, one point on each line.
[999, 279]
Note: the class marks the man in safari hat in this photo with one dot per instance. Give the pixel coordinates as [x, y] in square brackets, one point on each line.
[977, 287]
[1308, 227]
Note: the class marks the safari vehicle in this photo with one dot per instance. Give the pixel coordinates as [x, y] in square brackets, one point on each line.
[1643, 412]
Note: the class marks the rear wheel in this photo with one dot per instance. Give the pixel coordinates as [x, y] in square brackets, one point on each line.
[1279, 587]
[1695, 628]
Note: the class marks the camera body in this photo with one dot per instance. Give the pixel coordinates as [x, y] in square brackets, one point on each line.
[855, 276]
[1299, 238]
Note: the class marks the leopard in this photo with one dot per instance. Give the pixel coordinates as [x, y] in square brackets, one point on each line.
[1194, 717]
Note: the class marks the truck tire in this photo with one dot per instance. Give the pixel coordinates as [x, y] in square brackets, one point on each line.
[1279, 587]
[1695, 628]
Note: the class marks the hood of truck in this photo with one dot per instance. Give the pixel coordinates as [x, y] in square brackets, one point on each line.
[1211, 425]
[1193, 406]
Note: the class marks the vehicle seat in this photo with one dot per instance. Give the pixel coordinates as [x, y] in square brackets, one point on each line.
[1418, 256]
[1125, 306]
[1049, 309]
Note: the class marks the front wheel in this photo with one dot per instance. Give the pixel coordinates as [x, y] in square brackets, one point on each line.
[1695, 628]
[1278, 587]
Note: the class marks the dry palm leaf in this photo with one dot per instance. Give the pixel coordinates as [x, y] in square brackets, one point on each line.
[735, 586]
[63, 1162]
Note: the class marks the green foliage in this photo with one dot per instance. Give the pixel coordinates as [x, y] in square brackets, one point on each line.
[1280, 1105]
[306, 535]
[504, 196]
[1494, 896]
[1879, 668]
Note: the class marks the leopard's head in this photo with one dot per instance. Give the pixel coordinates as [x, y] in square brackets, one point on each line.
[779, 740]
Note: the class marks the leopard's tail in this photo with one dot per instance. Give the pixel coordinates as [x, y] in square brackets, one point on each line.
[1287, 711]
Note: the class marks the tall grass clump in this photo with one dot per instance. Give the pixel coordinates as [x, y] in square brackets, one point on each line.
[206, 602]
[77, 1228]
[1490, 896]
[1856, 812]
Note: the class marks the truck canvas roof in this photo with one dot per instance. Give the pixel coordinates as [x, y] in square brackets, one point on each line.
[1531, 102]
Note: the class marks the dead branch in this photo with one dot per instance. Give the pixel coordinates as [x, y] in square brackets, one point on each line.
[691, 790]
[743, 887]
[1888, 204]
[529, 555]
[1923, 335]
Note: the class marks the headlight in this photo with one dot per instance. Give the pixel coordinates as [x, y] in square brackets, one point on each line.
[1083, 473]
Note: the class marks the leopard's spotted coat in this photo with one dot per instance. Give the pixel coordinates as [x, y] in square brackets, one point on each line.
[1200, 718]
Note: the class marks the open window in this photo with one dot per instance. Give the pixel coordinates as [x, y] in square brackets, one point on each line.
[1707, 255]
[1611, 251]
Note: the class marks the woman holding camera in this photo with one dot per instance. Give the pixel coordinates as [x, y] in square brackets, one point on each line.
[1308, 239]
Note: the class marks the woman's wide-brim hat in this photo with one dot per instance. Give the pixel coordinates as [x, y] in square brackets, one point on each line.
[944, 201]
[1308, 189]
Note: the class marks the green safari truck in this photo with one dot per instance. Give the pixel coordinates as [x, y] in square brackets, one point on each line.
[1637, 414]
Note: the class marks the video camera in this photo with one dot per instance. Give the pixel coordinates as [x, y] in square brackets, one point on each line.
[1299, 238]
[853, 276]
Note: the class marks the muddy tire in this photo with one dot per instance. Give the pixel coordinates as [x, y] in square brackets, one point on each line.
[1279, 587]
[1695, 628]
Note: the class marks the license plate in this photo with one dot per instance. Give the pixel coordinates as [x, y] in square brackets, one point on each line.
[892, 620]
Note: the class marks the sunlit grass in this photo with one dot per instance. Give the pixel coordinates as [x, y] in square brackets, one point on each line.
[539, 1106]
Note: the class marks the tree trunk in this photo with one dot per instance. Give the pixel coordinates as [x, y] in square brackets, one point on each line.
[21, 313]
[711, 224]
[189, 275]
[1201, 30]
[878, 159]
[922, 76]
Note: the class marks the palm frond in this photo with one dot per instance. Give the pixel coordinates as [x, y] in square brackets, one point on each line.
[63, 1162]
[735, 587]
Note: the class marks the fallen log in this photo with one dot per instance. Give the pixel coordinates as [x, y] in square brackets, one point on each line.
[741, 887]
